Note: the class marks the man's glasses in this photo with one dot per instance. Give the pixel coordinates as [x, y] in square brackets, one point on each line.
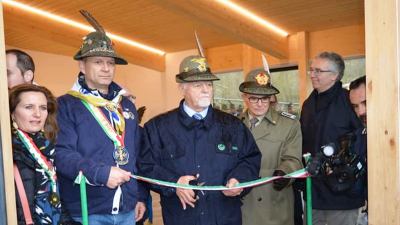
[318, 71]
[255, 99]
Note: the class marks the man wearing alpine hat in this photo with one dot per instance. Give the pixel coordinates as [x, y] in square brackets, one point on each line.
[197, 144]
[99, 136]
[278, 136]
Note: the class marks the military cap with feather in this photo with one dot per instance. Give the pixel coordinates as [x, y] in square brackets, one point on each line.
[258, 82]
[97, 43]
[195, 67]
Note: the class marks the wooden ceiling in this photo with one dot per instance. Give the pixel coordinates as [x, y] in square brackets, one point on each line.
[169, 24]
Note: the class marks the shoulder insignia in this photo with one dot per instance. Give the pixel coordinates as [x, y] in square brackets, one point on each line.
[288, 115]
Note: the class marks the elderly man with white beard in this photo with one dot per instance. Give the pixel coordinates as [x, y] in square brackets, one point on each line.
[197, 144]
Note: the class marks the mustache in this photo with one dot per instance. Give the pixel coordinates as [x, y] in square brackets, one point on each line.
[363, 117]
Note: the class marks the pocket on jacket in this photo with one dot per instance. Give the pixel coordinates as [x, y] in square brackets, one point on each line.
[170, 152]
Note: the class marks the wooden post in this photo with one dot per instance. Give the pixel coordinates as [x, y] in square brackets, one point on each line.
[382, 68]
[303, 60]
[247, 60]
[7, 162]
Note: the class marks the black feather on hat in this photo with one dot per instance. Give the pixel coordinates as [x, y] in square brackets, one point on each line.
[97, 43]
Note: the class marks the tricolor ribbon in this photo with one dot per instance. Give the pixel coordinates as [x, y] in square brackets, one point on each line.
[105, 124]
[111, 106]
[297, 174]
[39, 158]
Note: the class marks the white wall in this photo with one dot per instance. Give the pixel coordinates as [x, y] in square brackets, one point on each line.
[156, 90]
[58, 73]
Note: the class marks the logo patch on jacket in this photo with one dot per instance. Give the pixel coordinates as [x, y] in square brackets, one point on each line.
[128, 114]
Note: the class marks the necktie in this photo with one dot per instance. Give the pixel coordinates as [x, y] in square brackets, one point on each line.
[197, 116]
[253, 123]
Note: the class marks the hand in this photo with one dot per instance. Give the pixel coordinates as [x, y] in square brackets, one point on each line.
[139, 210]
[117, 177]
[281, 183]
[186, 196]
[234, 192]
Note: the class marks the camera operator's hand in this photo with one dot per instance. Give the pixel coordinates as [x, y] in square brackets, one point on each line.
[280, 184]
[314, 165]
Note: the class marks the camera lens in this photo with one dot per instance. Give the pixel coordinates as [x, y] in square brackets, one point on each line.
[328, 150]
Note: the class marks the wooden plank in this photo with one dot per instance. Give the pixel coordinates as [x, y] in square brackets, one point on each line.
[65, 40]
[214, 15]
[303, 60]
[5, 133]
[347, 41]
[382, 68]
[230, 57]
[225, 58]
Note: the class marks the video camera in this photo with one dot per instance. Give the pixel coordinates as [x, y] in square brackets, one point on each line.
[338, 163]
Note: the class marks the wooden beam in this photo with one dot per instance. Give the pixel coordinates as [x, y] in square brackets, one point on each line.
[383, 76]
[225, 58]
[64, 39]
[303, 61]
[6, 134]
[229, 23]
[347, 41]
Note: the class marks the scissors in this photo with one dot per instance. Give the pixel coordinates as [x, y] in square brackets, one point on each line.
[196, 192]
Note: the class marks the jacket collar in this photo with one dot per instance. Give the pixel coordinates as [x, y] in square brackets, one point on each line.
[270, 118]
[323, 100]
[190, 122]
[113, 88]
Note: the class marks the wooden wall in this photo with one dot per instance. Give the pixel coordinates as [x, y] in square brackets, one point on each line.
[382, 60]
[348, 41]
[5, 134]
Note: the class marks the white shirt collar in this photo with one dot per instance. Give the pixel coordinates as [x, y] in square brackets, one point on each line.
[191, 112]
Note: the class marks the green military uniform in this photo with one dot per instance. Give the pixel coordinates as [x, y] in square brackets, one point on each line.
[278, 136]
[279, 140]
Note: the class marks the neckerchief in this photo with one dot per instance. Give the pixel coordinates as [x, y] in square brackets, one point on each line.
[95, 100]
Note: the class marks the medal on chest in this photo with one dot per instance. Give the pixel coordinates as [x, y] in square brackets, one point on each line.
[121, 155]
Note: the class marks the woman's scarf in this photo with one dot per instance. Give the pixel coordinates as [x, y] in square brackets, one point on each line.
[46, 188]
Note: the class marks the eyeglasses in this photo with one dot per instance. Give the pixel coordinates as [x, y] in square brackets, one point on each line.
[318, 71]
[262, 99]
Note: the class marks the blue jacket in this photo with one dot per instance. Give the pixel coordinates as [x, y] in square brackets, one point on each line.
[324, 118]
[218, 148]
[83, 145]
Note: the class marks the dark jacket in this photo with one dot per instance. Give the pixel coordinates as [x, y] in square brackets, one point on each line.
[360, 148]
[218, 148]
[26, 167]
[31, 179]
[83, 145]
[324, 118]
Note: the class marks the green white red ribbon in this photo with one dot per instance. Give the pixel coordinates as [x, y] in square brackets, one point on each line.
[297, 174]
[39, 157]
[105, 124]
